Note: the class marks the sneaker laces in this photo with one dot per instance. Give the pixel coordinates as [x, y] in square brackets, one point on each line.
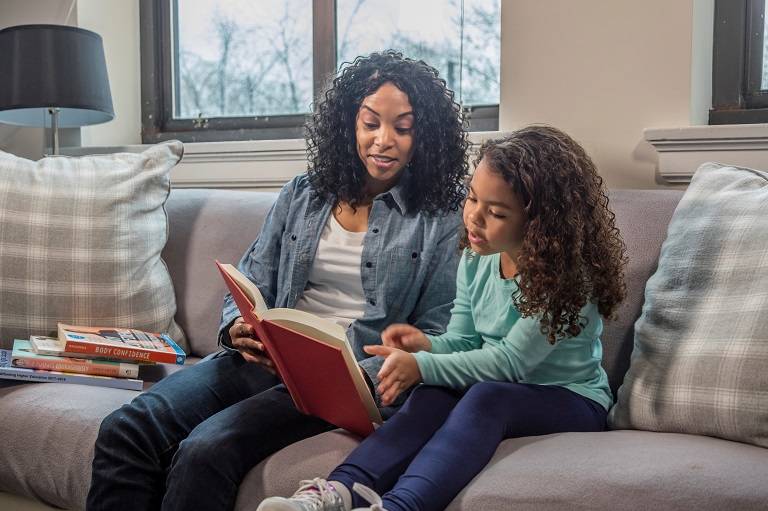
[317, 495]
[369, 495]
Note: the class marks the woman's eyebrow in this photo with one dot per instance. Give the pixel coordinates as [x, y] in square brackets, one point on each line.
[409, 112]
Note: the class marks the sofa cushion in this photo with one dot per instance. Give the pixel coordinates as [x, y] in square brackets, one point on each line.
[80, 242]
[609, 471]
[205, 225]
[49, 430]
[52, 429]
[701, 343]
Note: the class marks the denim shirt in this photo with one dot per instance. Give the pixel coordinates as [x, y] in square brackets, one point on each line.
[408, 265]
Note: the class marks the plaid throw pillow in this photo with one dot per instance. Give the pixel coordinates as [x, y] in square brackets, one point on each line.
[701, 343]
[80, 242]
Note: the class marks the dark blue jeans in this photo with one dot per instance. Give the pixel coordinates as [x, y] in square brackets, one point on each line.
[423, 456]
[189, 441]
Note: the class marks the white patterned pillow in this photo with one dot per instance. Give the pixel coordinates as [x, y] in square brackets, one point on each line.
[80, 242]
[700, 359]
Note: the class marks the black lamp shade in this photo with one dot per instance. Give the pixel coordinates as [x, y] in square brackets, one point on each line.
[44, 66]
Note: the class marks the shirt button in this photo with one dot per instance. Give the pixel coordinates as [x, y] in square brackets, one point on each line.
[372, 301]
[375, 231]
[368, 264]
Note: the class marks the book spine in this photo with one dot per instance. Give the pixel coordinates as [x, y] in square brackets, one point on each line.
[80, 366]
[38, 376]
[89, 349]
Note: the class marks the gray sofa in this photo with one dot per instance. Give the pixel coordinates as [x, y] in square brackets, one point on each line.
[48, 430]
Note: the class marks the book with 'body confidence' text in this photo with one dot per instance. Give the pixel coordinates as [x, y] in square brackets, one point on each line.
[117, 343]
[312, 357]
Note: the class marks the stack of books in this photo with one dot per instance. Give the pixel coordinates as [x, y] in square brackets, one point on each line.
[107, 357]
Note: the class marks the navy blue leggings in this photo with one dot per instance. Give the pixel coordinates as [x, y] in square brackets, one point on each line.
[423, 456]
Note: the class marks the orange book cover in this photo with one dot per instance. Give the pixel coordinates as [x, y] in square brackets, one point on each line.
[312, 357]
[126, 344]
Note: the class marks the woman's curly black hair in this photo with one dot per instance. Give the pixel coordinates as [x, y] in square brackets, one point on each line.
[571, 251]
[438, 165]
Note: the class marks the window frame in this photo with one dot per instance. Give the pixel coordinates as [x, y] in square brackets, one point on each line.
[157, 85]
[737, 60]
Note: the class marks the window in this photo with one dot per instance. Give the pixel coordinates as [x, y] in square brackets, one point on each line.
[239, 69]
[740, 63]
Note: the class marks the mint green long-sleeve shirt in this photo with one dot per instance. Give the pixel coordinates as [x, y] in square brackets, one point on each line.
[487, 340]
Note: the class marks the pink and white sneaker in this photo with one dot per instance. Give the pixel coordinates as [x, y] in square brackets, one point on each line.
[313, 495]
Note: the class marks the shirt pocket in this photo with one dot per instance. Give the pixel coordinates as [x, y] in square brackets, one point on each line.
[401, 281]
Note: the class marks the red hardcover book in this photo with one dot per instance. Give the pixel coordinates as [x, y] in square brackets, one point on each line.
[312, 357]
[117, 343]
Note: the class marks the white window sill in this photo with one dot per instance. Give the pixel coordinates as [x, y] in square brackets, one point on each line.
[682, 150]
[256, 164]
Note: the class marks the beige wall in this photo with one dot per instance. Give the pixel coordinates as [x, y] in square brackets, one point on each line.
[118, 24]
[603, 70]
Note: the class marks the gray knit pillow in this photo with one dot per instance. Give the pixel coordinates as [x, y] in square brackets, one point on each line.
[80, 242]
[700, 360]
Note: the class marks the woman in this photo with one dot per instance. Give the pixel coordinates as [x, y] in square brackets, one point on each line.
[367, 237]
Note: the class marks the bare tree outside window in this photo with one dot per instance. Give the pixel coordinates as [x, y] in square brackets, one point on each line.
[460, 38]
[244, 58]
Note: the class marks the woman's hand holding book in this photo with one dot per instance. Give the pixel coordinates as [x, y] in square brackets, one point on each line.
[252, 350]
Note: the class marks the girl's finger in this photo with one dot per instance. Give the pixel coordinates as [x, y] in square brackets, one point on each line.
[390, 395]
[375, 349]
[396, 330]
[412, 338]
[386, 370]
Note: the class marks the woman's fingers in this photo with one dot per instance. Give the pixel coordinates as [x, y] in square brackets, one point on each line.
[241, 329]
[248, 344]
[253, 351]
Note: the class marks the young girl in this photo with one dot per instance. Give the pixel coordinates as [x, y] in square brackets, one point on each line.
[543, 261]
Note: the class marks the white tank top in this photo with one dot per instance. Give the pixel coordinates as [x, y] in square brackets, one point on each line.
[335, 287]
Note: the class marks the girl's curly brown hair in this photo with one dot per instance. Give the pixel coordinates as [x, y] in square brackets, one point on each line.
[572, 251]
[438, 165]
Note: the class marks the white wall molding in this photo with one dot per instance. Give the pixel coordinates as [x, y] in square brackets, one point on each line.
[682, 150]
[253, 164]
[258, 164]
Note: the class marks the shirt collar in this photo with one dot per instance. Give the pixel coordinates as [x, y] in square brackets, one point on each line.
[397, 192]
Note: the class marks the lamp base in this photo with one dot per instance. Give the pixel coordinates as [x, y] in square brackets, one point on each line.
[54, 129]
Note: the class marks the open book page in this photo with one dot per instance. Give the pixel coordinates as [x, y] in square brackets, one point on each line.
[309, 324]
[304, 322]
[249, 288]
